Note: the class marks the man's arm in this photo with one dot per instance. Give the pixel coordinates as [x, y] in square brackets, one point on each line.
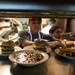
[24, 39]
[24, 42]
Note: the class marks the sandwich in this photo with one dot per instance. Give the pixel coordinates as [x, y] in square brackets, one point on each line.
[40, 45]
[7, 47]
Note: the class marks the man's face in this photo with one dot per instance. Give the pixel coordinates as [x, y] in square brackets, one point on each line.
[35, 25]
[58, 33]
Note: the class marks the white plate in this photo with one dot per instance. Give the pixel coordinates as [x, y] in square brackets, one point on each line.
[13, 59]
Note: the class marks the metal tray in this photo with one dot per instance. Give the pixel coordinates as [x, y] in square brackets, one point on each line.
[4, 57]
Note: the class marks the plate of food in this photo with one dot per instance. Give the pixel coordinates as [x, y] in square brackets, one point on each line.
[28, 57]
[66, 54]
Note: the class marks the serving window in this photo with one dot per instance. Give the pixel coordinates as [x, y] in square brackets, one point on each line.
[65, 19]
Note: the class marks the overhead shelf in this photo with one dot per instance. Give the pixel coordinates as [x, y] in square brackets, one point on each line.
[36, 9]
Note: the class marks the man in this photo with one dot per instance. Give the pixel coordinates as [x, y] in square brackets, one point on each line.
[28, 37]
[56, 32]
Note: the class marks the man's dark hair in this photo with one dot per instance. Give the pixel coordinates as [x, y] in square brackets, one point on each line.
[53, 29]
[35, 19]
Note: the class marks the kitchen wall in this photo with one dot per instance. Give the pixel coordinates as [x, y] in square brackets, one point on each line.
[73, 25]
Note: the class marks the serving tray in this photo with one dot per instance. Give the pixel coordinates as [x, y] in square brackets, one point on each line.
[64, 58]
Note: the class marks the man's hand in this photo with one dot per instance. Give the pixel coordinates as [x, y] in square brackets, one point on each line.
[67, 42]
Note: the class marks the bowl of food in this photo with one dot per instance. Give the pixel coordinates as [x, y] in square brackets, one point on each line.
[28, 57]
